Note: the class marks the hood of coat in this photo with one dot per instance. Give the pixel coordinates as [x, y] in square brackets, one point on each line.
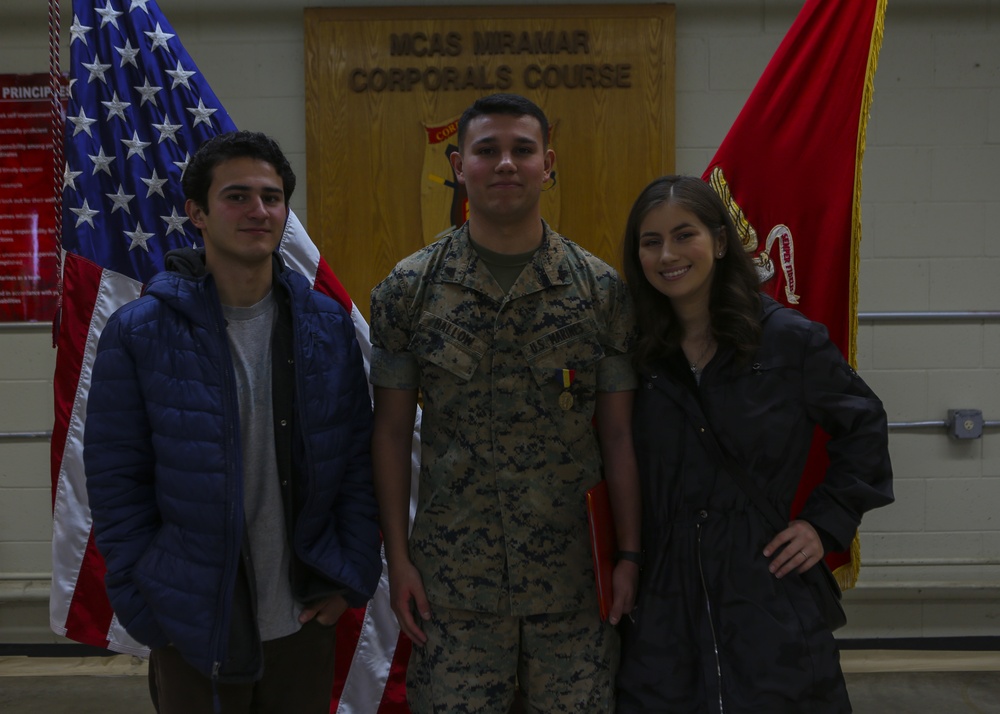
[188, 287]
[189, 262]
[768, 306]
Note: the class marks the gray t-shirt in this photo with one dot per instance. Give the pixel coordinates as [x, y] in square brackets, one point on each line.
[249, 330]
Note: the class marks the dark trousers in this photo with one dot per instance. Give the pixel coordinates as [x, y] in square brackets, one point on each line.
[298, 677]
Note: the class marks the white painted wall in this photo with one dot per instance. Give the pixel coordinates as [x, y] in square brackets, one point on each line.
[931, 216]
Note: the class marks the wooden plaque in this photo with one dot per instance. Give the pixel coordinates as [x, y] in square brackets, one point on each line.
[385, 86]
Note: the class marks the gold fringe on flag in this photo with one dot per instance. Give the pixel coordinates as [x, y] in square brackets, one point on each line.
[847, 574]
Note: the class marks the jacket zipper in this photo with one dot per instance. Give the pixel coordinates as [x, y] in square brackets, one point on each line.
[308, 484]
[232, 451]
[711, 624]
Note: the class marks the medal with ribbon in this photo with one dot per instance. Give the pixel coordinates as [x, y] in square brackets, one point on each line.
[566, 399]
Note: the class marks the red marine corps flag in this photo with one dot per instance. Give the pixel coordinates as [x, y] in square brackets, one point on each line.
[790, 171]
[138, 109]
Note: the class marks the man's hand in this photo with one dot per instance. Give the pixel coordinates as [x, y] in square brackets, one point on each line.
[614, 432]
[798, 548]
[406, 593]
[624, 583]
[326, 612]
[392, 436]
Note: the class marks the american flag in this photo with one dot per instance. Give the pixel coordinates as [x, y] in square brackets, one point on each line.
[138, 109]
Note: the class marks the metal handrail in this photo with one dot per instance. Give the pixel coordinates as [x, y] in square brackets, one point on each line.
[867, 316]
[911, 316]
[918, 424]
[25, 327]
[893, 425]
[24, 435]
[929, 315]
[933, 424]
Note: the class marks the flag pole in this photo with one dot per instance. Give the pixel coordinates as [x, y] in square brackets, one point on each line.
[55, 98]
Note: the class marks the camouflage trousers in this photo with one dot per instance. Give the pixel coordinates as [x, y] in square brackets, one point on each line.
[562, 662]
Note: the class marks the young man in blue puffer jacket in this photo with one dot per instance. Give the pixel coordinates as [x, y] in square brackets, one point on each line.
[227, 454]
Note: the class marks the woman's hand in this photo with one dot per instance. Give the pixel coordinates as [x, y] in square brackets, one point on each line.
[797, 548]
[624, 583]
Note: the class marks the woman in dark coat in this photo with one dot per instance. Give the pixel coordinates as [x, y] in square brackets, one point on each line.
[723, 622]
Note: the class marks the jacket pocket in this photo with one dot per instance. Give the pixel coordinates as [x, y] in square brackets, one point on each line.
[444, 344]
[571, 347]
[771, 387]
[564, 364]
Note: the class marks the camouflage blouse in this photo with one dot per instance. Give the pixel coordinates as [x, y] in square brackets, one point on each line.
[508, 384]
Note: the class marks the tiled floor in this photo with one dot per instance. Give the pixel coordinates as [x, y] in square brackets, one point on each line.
[880, 682]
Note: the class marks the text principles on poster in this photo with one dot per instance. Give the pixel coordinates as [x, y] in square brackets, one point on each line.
[567, 63]
[28, 260]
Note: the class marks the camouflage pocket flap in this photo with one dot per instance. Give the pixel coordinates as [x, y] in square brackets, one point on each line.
[574, 348]
[556, 340]
[446, 345]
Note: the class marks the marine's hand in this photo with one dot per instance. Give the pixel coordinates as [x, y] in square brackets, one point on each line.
[797, 548]
[406, 593]
[624, 584]
[326, 612]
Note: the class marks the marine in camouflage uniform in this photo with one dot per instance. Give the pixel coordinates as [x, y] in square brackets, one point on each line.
[500, 526]
[517, 341]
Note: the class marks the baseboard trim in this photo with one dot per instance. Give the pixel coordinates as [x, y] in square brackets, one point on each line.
[53, 650]
[955, 644]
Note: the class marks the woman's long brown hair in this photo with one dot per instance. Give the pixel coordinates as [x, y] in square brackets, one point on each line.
[734, 303]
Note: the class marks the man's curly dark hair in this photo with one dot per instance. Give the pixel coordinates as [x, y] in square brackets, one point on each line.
[233, 145]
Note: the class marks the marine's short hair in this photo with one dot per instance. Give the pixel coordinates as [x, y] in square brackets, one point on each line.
[510, 104]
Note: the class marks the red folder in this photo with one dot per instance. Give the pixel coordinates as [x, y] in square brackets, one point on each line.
[603, 543]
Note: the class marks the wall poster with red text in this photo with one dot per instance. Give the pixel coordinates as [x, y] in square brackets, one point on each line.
[28, 265]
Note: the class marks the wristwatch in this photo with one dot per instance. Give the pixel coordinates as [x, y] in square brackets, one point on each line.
[633, 556]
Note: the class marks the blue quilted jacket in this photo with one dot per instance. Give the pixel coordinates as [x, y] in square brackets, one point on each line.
[163, 462]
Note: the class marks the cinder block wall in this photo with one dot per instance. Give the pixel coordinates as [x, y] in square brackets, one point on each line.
[931, 562]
